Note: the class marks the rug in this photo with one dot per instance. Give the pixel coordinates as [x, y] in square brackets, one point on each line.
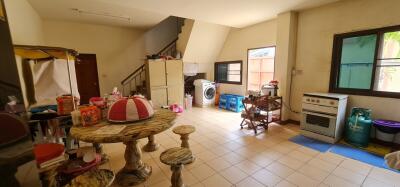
[311, 143]
[345, 150]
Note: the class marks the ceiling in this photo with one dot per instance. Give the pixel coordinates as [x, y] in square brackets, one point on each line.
[117, 13]
[146, 13]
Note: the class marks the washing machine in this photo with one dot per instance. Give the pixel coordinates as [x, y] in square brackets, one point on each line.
[204, 94]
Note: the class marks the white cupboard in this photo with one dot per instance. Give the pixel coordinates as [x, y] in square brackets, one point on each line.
[165, 82]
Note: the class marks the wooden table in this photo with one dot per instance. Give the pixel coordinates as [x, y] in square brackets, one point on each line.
[134, 171]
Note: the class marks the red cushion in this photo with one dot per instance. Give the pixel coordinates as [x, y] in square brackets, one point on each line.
[45, 152]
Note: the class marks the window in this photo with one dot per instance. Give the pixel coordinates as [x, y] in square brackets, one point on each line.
[228, 72]
[367, 63]
[260, 67]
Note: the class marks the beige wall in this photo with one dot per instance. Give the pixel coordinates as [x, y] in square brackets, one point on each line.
[204, 44]
[316, 28]
[25, 24]
[285, 56]
[26, 28]
[183, 37]
[237, 43]
[119, 51]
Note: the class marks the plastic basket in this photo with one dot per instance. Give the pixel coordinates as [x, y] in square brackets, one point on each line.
[223, 101]
[235, 103]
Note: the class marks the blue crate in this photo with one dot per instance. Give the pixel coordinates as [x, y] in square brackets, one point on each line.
[223, 101]
[235, 103]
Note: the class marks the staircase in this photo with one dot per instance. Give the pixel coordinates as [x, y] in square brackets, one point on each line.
[135, 83]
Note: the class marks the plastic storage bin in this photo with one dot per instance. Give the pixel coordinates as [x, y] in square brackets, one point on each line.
[223, 101]
[235, 103]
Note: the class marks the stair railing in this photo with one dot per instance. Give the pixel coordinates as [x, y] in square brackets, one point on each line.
[133, 79]
[169, 50]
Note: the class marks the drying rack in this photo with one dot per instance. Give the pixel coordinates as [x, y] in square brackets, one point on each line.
[259, 111]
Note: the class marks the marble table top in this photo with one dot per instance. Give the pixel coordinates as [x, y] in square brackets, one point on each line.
[176, 156]
[184, 129]
[162, 120]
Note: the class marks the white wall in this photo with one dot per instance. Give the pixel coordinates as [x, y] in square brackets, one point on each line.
[316, 28]
[119, 51]
[237, 43]
[204, 45]
[25, 23]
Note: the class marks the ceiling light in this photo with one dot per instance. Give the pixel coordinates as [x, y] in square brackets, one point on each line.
[103, 14]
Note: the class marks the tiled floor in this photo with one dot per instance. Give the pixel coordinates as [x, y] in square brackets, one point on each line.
[229, 156]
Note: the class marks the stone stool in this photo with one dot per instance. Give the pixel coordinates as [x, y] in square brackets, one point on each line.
[176, 158]
[184, 131]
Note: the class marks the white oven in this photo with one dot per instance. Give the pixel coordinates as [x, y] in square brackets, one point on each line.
[323, 116]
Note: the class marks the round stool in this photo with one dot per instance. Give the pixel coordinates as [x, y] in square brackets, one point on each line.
[184, 131]
[176, 158]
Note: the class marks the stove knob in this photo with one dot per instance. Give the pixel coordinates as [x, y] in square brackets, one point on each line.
[308, 100]
[317, 100]
[332, 103]
[312, 100]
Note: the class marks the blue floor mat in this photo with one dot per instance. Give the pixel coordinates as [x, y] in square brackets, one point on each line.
[344, 150]
[311, 143]
[360, 155]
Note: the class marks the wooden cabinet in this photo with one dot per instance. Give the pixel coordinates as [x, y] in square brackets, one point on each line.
[165, 82]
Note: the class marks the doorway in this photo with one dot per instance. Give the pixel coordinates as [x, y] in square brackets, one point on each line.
[87, 77]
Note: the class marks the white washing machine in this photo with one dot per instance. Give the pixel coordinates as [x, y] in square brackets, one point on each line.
[204, 94]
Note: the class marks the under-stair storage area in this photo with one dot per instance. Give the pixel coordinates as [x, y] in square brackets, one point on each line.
[165, 83]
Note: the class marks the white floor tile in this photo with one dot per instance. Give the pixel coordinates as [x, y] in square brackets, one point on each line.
[291, 162]
[324, 165]
[385, 176]
[285, 183]
[216, 181]
[371, 182]
[349, 175]
[313, 172]
[266, 177]
[233, 174]
[248, 167]
[333, 181]
[280, 169]
[302, 180]
[249, 182]
[356, 166]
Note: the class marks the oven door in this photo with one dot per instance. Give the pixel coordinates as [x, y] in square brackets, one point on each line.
[319, 123]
